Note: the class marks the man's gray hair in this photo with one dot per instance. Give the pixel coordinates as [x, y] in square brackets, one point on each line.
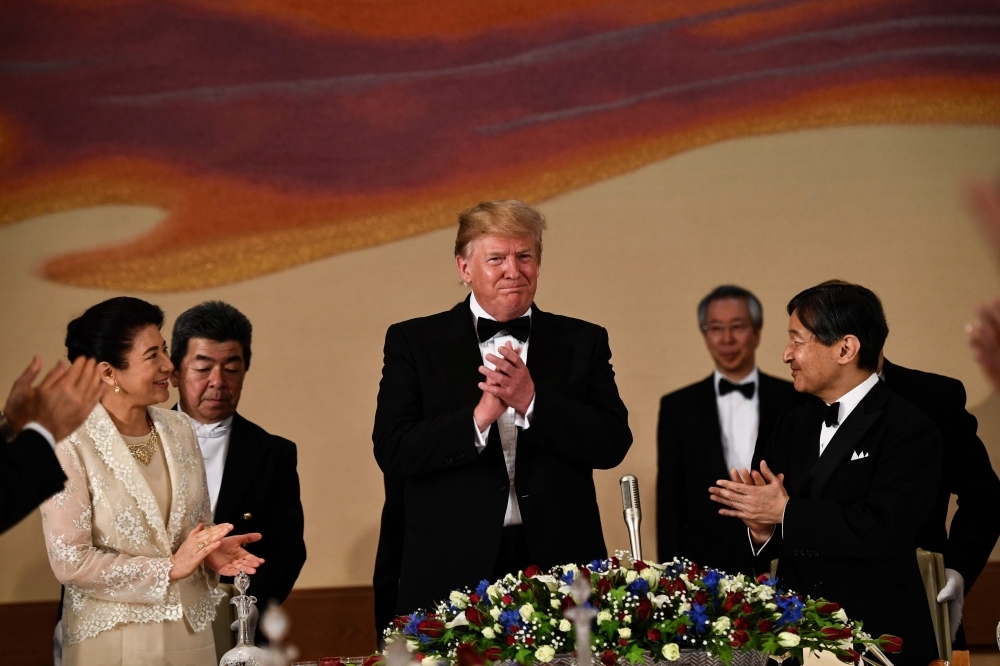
[732, 291]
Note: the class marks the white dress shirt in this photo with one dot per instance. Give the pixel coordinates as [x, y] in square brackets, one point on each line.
[213, 438]
[509, 421]
[848, 402]
[739, 419]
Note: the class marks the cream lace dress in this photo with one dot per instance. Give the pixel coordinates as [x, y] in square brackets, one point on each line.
[110, 534]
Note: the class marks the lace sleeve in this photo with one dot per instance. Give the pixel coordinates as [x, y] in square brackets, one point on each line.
[99, 572]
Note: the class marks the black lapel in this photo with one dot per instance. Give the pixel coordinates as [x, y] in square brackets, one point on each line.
[847, 437]
[548, 355]
[458, 351]
[244, 457]
[711, 431]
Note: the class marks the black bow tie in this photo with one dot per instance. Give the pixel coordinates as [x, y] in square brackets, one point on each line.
[726, 386]
[832, 417]
[519, 328]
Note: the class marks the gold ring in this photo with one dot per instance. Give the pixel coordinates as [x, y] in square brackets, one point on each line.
[201, 545]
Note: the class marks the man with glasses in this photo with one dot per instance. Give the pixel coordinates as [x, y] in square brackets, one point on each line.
[711, 427]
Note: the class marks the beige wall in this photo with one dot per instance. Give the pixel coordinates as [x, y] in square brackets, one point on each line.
[876, 205]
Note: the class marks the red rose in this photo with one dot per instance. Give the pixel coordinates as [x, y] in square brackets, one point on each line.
[682, 630]
[507, 599]
[513, 629]
[623, 642]
[644, 609]
[474, 598]
[585, 572]
[639, 565]
[831, 633]
[523, 587]
[765, 626]
[763, 578]
[701, 597]
[603, 586]
[747, 609]
[615, 563]
[741, 623]
[653, 635]
[791, 630]
[664, 583]
[679, 586]
[567, 603]
[532, 571]
[510, 640]
[374, 659]
[850, 657]
[609, 658]
[431, 628]
[694, 571]
[727, 605]
[529, 641]
[828, 607]
[468, 655]
[492, 654]
[400, 622]
[621, 615]
[739, 638]
[475, 616]
[890, 643]
[418, 657]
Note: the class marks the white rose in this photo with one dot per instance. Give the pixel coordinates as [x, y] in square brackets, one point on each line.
[603, 616]
[458, 600]
[494, 592]
[671, 652]
[840, 615]
[684, 607]
[571, 568]
[550, 581]
[495, 613]
[625, 632]
[659, 599]
[627, 619]
[554, 603]
[564, 625]
[631, 576]
[788, 639]
[722, 625]
[545, 654]
[498, 628]
[526, 610]
[651, 576]
[489, 633]
[459, 621]
[764, 592]
[412, 645]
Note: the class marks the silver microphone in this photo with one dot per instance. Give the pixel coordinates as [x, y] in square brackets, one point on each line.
[633, 513]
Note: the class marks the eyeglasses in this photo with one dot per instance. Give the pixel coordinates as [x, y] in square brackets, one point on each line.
[718, 330]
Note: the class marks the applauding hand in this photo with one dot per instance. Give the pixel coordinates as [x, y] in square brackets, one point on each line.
[231, 557]
[510, 382]
[756, 498]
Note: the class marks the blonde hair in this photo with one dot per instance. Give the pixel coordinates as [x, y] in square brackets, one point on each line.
[509, 218]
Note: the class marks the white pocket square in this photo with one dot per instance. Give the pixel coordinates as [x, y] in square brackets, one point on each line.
[858, 455]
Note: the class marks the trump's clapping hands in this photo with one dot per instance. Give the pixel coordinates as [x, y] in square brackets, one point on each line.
[756, 498]
[510, 382]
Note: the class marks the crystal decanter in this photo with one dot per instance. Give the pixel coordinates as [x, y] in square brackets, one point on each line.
[245, 653]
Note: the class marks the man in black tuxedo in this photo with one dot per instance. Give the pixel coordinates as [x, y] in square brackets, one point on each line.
[496, 452]
[711, 427]
[389, 556]
[252, 477]
[33, 420]
[967, 473]
[861, 475]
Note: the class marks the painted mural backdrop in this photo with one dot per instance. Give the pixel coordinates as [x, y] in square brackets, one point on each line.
[277, 132]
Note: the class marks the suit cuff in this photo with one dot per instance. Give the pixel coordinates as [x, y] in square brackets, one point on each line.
[523, 421]
[482, 436]
[43, 431]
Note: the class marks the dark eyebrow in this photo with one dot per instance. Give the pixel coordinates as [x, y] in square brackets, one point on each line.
[199, 357]
[151, 349]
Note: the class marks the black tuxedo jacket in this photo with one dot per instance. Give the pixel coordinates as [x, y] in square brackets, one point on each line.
[967, 472]
[260, 493]
[389, 556]
[29, 474]
[850, 526]
[690, 460]
[455, 498]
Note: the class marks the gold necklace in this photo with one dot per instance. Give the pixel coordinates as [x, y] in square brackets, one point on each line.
[143, 451]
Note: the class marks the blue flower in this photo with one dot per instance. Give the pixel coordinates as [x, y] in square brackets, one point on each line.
[510, 618]
[413, 619]
[712, 578]
[791, 609]
[568, 577]
[481, 591]
[639, 587]
[424, 639]
[699, 617]
[600, 566]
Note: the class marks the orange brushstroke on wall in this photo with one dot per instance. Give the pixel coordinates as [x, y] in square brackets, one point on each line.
[777, 20]
[244, 230]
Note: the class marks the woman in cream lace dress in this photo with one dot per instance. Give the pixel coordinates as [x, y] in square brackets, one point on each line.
[130, 535]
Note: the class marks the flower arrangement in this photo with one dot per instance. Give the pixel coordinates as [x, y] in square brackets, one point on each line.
[658, 609]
